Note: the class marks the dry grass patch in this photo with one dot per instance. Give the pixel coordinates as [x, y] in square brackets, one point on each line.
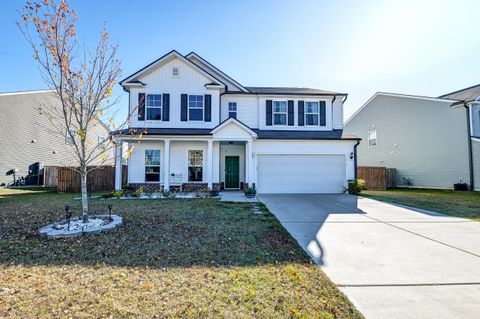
[172, 258]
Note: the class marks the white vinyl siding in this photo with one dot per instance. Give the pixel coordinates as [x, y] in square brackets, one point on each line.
[189, 82]
[424, 140]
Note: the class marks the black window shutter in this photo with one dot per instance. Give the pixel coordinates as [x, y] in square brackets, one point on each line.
[184, 99]
[301, 113]
[166, 107]
[323, 116]
[208, 108]
[141, 106]
[290, 113]
[268, 113]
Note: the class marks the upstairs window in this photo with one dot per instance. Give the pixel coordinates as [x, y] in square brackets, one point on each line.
[69, 137]
[152, 165]
[279, 112]
[312, 113]
[195, 166]
[154, 107]
[232, 109]
[195, 107]
[372, 138]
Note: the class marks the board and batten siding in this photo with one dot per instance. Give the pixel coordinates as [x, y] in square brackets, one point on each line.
[161, 81]
[178, 159]
[425, 140]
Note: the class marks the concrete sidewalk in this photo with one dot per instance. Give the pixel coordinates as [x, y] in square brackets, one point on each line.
[391, 261]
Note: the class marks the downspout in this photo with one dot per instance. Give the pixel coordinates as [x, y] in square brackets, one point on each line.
[470, 153]
[355, 158]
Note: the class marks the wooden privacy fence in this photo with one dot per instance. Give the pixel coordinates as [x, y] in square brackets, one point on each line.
[100, 180]
[377, 178]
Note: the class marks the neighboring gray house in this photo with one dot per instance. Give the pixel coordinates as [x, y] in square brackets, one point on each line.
[433, 142]
[26, 135]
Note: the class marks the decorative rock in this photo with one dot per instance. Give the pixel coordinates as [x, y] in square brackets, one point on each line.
[97, 225]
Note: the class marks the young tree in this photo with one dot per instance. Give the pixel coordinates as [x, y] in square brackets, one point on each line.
[82, 82]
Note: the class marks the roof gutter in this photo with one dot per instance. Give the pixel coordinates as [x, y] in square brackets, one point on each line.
[470, 153]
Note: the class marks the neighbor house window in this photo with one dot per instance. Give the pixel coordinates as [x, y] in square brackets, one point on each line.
[69, 137]
[154, 107]
[195, 166]
[232, 109]
[195, 107]
[372, 138]
[279, 112]
[312, 113]
[152, 165]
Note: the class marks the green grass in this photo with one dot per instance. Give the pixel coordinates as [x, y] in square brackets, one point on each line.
[197, 258]
[453, 203]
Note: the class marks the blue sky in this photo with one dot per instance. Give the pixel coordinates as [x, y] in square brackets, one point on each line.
[357, 47]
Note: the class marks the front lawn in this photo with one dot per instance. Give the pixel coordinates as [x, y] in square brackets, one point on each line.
[187, 258]
[453, 203]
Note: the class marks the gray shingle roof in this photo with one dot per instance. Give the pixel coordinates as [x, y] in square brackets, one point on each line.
[467, 95]
[262, 134]
[290, 90]
[305, 135]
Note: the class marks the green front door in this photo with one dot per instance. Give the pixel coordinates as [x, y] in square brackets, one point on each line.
[232, 178]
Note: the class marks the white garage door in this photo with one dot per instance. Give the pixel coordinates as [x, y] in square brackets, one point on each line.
[301, 173]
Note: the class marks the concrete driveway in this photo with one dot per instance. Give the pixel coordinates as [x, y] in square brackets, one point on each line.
[392, 262]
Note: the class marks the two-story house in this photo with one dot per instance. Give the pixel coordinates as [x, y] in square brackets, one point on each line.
[194, 126]
[432, 142]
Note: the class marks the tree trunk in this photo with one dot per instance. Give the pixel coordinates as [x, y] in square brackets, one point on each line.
[84, 196]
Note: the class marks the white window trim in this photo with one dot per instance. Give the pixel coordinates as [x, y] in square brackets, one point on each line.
[202, 166]
[236, 108]
[369, 139]
[145, 166]
[154, 107]
[203, 108]
[309, 113]
[273, 113]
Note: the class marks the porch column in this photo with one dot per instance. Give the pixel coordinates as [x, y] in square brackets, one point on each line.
[118, 166]
[166, 166]
[210, 164]
[248, 163]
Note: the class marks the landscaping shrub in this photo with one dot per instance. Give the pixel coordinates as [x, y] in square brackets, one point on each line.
[356, 186]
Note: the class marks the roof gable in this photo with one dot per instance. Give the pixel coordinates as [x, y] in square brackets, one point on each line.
[134, 78]
[204, 64]
[398, 95]
[233, 128]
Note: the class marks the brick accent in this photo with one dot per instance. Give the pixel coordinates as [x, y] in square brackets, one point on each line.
[192, 187]
[147, 188]
[187, 187]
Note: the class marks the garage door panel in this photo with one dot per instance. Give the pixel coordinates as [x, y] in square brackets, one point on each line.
[300, 173]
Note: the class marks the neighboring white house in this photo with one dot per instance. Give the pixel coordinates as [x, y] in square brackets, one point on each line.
[432, 142]
[194, 126]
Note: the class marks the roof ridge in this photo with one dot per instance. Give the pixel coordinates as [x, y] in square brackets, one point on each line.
[26, 92]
